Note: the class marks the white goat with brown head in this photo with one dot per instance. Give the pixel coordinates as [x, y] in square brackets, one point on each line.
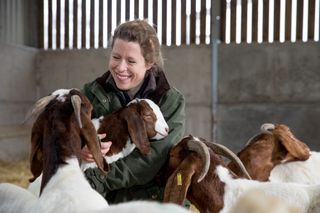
[276, 154]
[130, 127]
[62, 127]
[220, 188]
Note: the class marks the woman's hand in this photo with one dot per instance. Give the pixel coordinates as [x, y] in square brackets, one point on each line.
[105, 147]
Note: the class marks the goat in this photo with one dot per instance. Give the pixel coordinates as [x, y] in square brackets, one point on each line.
[304, 172]
[276, 151]
[130, 127]
[144, 207]
[220, 188]
[258, 202]
[63, 125]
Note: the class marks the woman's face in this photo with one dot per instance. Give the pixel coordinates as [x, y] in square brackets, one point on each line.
[127, 64]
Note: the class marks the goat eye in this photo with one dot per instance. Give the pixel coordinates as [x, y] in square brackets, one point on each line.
[148, 117]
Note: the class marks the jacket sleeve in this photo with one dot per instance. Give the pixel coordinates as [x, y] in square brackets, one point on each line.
[137, 169]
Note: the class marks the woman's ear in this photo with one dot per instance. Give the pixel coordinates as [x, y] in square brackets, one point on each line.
[149, 65]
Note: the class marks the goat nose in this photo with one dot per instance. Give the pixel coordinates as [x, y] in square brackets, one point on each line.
[167, 129]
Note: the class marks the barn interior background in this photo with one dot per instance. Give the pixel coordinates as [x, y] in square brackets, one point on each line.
[239, 63]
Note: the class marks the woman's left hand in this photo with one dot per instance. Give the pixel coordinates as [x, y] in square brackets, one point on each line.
[105, 147]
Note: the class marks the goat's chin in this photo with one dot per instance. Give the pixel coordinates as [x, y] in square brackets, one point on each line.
[159, 136]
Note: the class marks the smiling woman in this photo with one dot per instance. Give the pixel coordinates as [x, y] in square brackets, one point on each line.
[135, 71]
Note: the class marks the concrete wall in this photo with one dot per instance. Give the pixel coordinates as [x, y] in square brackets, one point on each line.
[17, 94]
[18, 82]
[257, 83]
[261, 83]
[187, 68]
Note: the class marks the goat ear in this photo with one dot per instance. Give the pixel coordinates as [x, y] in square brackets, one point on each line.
[36, 154]
[91, 140]
[137, 131]
[178, 183]
[296, 149]
[38, 108]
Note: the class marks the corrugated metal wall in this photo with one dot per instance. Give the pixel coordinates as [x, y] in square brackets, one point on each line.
[19, 22]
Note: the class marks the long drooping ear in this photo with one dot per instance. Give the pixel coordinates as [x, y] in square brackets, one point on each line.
[89, 133]
[36, 153]
[178, 183]
[92, 141]
[297, 150]
[38, 108]
[137, 130]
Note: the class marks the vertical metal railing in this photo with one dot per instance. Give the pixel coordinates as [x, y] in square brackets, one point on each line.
[90, 23]
[77, 24]
[269, 20]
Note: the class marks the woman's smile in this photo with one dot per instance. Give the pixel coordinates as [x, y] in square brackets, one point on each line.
[127, 65]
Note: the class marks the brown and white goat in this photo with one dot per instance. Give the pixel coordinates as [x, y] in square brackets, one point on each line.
[62, 127]
[220, 189]
[130, 127]
[275, 145]
[190, 173]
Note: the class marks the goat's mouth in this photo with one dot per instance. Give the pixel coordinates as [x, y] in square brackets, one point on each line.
[161, 135]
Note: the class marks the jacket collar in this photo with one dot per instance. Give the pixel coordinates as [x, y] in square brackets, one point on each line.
[154, 86]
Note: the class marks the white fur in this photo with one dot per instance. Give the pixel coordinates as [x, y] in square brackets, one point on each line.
[67, 191]
[61, 94]
[305, 172]
[129, 147]
[34, 187]
[161, 127]
[144, 207]
[15, 199]
[298, 196]
[54, 199]
[96, 122]
[259, 202]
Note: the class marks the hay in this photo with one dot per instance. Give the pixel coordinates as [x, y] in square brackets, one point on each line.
[16, 172]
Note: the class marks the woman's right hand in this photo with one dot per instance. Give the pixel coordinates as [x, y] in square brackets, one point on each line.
[105, 147]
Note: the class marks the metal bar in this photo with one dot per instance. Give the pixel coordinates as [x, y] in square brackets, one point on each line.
[216, 10]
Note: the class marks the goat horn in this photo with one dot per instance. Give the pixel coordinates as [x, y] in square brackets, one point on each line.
[267, 128]
[76, 103]
[254, 138]
[202, 150]
[224, 151]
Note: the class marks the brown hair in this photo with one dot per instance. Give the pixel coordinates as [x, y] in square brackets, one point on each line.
[145, 35]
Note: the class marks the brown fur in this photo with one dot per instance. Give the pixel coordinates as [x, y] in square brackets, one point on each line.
[266, 151]
[56, 136]
[206, 195]
[137, 119]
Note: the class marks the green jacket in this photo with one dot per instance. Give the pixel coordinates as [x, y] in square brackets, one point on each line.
[132, 178]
